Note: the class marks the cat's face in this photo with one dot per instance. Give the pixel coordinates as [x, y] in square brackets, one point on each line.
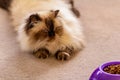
[44, 26]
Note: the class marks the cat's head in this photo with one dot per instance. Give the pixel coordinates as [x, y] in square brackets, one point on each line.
[43, 26]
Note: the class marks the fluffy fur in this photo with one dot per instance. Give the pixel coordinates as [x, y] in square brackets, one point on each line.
[47, 26]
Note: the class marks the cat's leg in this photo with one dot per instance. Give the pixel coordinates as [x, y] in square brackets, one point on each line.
[65, 54]
[42, 53]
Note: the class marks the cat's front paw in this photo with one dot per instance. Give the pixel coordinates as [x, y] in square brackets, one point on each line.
[63, 56]
[42, 53]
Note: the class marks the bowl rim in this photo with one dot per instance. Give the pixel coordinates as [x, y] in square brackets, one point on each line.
[101, 67]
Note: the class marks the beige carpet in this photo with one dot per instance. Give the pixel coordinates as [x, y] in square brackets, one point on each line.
[101, 21]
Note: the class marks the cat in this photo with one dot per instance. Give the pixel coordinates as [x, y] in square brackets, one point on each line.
[46, 27]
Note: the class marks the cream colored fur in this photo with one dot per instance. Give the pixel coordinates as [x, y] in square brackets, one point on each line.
[73, 35]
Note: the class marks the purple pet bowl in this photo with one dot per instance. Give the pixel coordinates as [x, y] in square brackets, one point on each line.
[99, 74]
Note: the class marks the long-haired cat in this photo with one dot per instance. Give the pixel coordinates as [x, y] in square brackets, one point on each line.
[46, 27]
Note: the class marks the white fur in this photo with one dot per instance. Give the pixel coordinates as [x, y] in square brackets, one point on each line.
[73, 32]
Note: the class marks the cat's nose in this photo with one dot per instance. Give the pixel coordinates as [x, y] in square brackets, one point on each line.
[51, 33]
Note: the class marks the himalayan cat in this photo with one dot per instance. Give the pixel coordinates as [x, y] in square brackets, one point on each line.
[46, 27]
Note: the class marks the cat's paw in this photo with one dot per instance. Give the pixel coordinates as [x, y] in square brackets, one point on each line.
[63, 56]
[42, 53]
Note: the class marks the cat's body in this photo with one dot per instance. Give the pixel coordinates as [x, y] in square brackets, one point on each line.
[47, 27]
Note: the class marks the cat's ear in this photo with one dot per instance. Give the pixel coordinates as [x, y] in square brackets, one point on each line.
[55, 13]
[34, 18]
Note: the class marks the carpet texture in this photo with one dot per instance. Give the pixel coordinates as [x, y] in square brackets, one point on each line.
[101, 21]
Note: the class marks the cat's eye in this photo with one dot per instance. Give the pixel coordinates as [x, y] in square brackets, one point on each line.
[32, 24]
[59, 28]
[28, 27]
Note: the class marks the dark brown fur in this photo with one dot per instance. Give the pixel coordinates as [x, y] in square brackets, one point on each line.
[74, 10]
[50, 25]
[47, 31]
[52, 30]
[30, 22]
[5, 4]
